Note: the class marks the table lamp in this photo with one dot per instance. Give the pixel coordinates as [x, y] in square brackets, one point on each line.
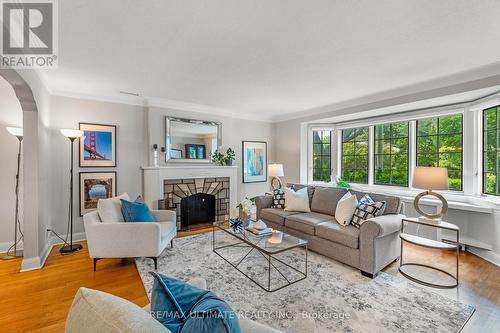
[430, 179]
[275, 171]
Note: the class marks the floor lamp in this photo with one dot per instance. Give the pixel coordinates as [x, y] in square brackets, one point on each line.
[72, 135]
[18, 133]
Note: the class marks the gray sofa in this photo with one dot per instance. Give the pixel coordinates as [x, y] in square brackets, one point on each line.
[369, 249]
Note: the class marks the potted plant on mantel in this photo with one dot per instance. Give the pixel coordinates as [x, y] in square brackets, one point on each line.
[224, 159]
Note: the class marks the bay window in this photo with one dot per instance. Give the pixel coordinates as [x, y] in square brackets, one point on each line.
[383, 151]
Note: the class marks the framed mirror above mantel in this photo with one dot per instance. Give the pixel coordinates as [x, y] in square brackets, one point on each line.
[191, 140]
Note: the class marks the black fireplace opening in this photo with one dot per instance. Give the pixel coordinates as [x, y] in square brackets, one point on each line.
[197, 209]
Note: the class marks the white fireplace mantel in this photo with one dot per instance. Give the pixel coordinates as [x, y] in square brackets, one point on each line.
[154, 177]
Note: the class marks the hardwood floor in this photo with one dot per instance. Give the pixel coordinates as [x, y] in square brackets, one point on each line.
[479, 283]
[38, 301]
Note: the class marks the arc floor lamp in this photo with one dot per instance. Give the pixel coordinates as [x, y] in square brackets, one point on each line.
[13, 252]
[72, 135]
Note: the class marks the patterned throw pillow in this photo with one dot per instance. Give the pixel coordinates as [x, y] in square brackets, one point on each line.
[278, 198]
[367, 209]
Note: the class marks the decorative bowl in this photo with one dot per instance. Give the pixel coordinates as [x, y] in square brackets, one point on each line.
[259, 225]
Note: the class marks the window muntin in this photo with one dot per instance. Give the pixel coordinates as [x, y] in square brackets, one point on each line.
[491, 151]
[322, 156]
[391, 154]
[355, 155]
[440, 144]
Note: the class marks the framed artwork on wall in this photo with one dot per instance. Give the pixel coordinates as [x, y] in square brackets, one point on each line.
[95, 186]
[254, 157]
[97, 146]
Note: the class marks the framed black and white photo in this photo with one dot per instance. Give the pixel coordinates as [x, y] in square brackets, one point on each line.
[95, 186]
[254, 156]
[97, 146]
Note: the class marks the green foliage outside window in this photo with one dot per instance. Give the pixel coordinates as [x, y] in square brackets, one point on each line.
[322, 159]
[491, 151]
[439, 143]
[391, 154]
[355, 155]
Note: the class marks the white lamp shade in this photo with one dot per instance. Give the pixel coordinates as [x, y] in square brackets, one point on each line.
[16, 131]
[430, 178]
[275, 170]
[72, 133]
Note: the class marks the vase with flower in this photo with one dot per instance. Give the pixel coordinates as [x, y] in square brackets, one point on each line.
[245, 208]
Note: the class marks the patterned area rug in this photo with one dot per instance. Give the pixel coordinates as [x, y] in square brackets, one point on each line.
[337, 296]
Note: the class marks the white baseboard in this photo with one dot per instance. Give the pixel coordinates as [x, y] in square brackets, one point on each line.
[490, 256]
[30, 264]
[38, 262]
[6, 245]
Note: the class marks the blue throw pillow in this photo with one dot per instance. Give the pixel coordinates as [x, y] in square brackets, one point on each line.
[136, 211]
[185, 309]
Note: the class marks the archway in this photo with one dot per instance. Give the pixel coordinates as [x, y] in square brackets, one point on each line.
[11, 121]
[31, 245]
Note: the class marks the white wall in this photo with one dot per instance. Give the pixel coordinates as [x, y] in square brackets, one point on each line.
[131, 152]
[234, 131]
[288, 149]
[11, 114]
[137, 129]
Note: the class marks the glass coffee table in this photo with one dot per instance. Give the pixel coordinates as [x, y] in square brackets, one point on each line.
[272, 263]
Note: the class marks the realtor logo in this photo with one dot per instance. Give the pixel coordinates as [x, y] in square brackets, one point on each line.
[29, 34]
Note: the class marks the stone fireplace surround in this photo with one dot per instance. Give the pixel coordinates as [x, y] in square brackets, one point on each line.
[177, 189]
[155, 184]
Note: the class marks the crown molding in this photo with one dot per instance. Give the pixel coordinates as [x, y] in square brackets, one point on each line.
[200, 108]
[94, 96]
[157, 102]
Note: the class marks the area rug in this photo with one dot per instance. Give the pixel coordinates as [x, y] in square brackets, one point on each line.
[336, 296]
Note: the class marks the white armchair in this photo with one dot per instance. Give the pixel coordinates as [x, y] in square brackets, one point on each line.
[129, 239]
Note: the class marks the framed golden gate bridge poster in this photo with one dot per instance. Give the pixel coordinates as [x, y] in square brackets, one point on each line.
[97, 146]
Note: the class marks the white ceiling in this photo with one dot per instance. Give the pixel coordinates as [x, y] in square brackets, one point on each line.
[266, 59]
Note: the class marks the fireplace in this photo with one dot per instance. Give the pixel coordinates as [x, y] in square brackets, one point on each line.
[196, 209]
[197, 200]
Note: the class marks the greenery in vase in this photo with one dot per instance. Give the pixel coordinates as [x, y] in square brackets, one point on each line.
[230, 156]
[343, 184]
[223, 159]
[218, 157]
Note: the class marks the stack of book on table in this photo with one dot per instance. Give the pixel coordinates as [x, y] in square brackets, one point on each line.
[263, 232]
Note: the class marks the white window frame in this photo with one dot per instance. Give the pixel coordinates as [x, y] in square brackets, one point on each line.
[476, 113]
[338, 156]
[333, 152]
[469, 155]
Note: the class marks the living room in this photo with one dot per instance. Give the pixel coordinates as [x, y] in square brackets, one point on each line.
[291, 165]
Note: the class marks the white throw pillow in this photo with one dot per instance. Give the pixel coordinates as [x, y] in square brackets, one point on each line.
[110, 210]
[346, 208]
[297, 201]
